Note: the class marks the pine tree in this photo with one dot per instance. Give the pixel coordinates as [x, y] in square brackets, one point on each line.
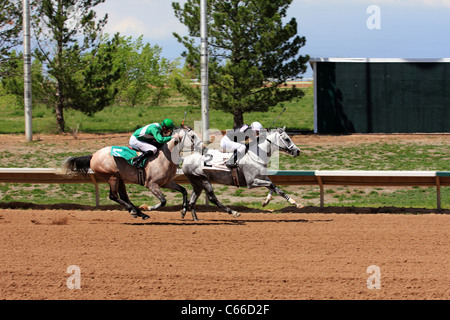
[10, 28]
[78, 78]
[251, 53]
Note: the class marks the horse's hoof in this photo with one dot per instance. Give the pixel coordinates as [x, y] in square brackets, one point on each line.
[264, 204]
[183, 213]
[300, 206]
[145, 217]
[194, 215]
[134, 215]
[235, 214]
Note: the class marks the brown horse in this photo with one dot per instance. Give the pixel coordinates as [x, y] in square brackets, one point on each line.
[159, 171]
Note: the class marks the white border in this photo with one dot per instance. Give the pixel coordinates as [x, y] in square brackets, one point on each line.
[363, 60]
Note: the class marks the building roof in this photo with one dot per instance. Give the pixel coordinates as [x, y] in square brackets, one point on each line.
[363, 60]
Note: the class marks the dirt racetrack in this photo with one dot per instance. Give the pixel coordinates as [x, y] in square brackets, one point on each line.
[286, 255]
[267, 256]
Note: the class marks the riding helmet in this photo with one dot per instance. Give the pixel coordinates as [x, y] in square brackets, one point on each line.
[256, 126]
[167, 123]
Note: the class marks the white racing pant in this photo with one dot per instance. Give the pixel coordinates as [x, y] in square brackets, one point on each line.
[230, 146]
[142, 146]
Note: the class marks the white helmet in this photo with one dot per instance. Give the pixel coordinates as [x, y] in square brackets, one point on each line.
[256, 126]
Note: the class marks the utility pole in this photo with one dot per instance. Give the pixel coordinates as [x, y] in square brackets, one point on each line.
[204, 70]
[27, 70]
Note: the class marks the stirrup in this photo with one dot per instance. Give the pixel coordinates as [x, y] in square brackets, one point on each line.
[137, 162]
[231, 163]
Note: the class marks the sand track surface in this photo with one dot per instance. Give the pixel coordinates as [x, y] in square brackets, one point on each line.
[256, 256]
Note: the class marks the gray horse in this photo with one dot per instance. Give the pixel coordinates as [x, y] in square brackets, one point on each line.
[252, 171]
[160, 171]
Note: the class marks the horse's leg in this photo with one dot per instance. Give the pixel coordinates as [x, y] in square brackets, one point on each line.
[269, 197]
[116, 188]
[212, 197]
[175, 186]
[136, 212]
[196, 192]
[273, 188]
[154, 188]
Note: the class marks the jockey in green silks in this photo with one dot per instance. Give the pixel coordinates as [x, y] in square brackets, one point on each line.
[150, 138]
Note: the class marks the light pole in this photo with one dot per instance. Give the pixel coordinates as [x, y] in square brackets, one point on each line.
[27, 70]
[204, 71]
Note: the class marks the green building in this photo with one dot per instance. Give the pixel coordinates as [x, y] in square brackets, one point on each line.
[358, 95]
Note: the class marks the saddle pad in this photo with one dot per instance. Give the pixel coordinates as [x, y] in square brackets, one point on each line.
[124, 152]
[215, 160]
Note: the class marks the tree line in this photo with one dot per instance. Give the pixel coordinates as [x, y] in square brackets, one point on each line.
[75, 65]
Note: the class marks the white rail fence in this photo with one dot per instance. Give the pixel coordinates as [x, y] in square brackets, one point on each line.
[321, 178]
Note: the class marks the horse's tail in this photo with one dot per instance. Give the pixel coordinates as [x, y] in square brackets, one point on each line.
[73, 165]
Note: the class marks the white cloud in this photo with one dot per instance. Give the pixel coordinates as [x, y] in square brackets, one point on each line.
[129, 25]
[154, 19]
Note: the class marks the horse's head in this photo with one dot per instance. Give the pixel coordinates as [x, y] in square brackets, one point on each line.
[194, 141]
[284, 143]
[188, 138]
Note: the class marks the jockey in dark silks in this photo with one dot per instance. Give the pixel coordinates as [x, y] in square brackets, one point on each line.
[150, 138]
[236, 141]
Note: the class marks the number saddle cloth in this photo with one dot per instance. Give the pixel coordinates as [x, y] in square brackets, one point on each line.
[212, 160]
[216, 160]
[126, 153]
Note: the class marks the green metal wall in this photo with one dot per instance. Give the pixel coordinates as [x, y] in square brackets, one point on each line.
[383, 97]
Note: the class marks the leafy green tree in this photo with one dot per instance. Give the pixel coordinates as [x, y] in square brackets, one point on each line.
[92, 87]
[10, 27]
[251, 53]
[77, 76]
[145, 74]
[13, 78]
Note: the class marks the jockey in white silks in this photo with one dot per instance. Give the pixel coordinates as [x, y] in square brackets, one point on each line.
[235, 141]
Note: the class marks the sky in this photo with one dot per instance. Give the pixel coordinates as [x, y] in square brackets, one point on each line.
[413, 29]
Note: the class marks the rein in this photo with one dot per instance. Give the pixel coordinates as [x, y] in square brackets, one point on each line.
[187, 130]
[286, 148]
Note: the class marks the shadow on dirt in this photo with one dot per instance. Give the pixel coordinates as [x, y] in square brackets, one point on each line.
[242, 209]
[215, 222]
[363, 210]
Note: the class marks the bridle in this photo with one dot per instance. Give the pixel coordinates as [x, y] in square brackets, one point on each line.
[188, 129]
[286, 148]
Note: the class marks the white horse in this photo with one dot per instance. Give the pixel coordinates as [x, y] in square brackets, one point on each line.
[252, 171]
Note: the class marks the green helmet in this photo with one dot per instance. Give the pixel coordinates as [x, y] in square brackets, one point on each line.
[167, 123]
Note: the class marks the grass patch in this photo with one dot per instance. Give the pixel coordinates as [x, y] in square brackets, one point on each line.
[408, 197]
[393, 155]
[299, 116]
[373, 156]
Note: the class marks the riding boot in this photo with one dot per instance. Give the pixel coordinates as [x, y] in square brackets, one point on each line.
[137, 162]
[232, 162]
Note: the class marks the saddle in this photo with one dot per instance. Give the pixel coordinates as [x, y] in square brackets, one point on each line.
[125, 152]
[129, 154]
[216, 160]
